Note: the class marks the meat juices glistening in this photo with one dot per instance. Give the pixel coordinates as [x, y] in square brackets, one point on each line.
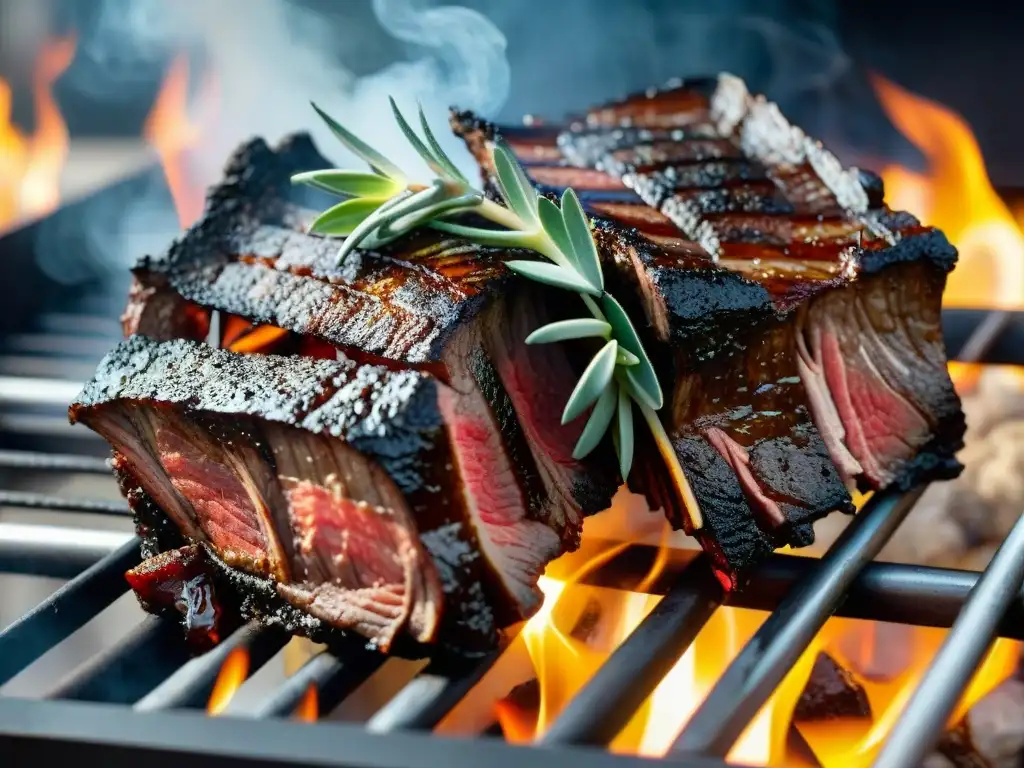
[793, 320]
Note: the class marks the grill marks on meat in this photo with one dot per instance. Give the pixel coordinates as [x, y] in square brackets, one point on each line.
[779, 284]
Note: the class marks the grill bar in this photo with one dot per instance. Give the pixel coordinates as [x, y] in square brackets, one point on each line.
[71, 733]
[921, 723]
[1001, 347]
[752, 676]
[606, 703]
[431, 695]
[28, 500]
[333, 678]
[54, 551]
[54, 462]
[65, 611]
[130, 668]
[190, 686]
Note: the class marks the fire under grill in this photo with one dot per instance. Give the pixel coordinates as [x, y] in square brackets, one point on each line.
[138, 703]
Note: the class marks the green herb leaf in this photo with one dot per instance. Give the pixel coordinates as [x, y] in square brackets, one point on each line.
[439, 153]
[393, 208]
[371, 156]
[597, 424]
[343, 218]
[417, 218]
[413, 139]
[624, 433]
[625, 357]
[592, 383]
[552, 274]
[641, 376]
[354, 183]
[578, 228]
[520, 197]
[551, 221]
[562, 330]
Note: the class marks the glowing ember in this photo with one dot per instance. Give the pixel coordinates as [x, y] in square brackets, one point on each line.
[258, 339]
[308, 709]
[31, 166]
[233, 673]
[175, 136]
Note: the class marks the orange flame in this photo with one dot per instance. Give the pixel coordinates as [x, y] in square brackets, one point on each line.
[308, 709]
[851, 743]
[563, 660]
[956, 196]
[175, 136]
[31, 166]
[233, 673]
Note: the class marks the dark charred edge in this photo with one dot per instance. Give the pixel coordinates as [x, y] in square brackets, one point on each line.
[705, 306]
[730, 534]
[779, 462]
[180, 372]
[936, 460]
[923, 244]
[256, 185]
[217, 263]
[153, 526]
[486, 378]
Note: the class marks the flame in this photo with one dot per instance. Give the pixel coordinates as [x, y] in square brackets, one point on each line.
[31, 166]
[308, 709]
[851, 743]
[233, 673]
[957, 196]
[175, 136]
[565, 658]
[568, 640]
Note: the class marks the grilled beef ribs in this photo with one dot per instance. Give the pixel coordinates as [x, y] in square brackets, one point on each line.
[796, 316]
[792, 318]
[431, 303]
[364, 498]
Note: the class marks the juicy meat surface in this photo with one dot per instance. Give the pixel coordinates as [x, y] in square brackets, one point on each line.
[755, 258]
[439, 305]
[366, 499]
[795, 315]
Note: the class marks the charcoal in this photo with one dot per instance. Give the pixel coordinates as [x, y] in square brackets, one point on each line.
[831, 692]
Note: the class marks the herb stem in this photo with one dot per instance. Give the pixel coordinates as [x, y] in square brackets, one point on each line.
[668, 453]
[499, 214]
[592, 306]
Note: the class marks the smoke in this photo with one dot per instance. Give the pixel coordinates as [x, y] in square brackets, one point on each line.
[502, 59]
[271, 58]
[283, 56]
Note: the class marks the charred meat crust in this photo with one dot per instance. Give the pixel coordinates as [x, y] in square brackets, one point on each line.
[700, 172]
[406, 306]
[391, 418]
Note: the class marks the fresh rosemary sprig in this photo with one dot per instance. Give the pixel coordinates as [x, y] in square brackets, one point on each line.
[384, 205]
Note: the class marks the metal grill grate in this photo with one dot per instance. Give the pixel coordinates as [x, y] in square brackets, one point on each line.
[86, 717]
